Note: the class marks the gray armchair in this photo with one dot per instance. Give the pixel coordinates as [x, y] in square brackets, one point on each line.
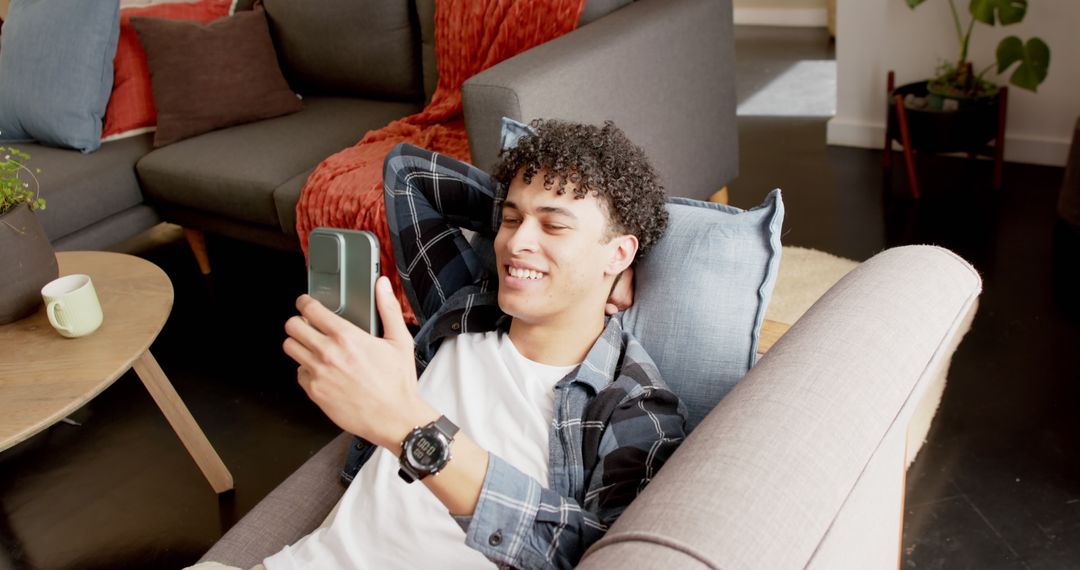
[801, 465]
[663, 70]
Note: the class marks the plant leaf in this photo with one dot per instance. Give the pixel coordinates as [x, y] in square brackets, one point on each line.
[1006, 11]
[1009, 51]
[1034, 58]
[914, 3]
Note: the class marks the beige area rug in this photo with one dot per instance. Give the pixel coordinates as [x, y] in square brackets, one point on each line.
[807, 274]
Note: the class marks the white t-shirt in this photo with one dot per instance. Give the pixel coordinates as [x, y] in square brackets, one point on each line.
[504, 401]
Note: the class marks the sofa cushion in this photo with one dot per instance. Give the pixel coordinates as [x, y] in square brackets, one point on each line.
[83, 189]
[368, 48]
[510, 131]
[425, 11]
[286, 196]
[128, 3]
[110, 232]
[234, 172]
[131, 106]
[712, 273]
[207, 77]
[56, 70]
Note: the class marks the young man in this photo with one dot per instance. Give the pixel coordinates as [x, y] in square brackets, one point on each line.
[536, 419]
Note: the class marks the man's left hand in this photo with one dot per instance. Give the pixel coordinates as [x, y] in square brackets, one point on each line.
[364, 384]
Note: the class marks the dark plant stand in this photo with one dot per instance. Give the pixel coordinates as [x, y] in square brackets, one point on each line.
[976, 131]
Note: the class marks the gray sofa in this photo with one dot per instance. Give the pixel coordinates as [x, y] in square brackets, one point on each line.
[800, 466]
[661, 69]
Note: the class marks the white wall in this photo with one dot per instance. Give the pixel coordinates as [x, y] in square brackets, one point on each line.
[780, 12]
[779, 3]
[874, 36]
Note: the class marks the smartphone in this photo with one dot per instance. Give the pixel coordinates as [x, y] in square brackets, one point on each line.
[343, 266]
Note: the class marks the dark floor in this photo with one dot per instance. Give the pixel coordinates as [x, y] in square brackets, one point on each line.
[996, 486]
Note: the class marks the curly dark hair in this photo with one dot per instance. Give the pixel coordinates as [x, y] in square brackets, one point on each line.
[601, 160]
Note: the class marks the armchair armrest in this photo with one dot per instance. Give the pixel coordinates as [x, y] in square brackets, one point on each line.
[293, 509]
[662, 70]
[802, 464]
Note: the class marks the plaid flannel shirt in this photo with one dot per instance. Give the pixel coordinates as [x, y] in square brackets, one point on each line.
[615, 423]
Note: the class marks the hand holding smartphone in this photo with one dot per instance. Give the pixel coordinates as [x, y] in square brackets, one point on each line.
[343, 266]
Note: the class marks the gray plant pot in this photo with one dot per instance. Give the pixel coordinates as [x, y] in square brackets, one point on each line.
[27, 261]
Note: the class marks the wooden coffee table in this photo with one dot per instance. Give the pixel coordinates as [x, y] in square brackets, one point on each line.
[44, 376]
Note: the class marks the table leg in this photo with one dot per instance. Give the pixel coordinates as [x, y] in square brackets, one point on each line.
[193, 438]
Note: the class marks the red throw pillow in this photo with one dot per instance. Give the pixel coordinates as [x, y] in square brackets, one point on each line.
[131, 107]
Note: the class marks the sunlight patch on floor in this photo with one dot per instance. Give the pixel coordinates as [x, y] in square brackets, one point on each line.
[807, 89]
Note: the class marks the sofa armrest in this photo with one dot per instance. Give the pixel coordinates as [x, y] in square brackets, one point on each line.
[802, 463]
[662, 70]
[292, 510]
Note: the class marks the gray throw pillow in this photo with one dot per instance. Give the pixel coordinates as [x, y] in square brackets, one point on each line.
[56, 71]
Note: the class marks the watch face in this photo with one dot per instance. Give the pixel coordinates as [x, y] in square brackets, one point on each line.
[428, 451]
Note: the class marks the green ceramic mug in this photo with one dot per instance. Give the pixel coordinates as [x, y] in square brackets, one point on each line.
[72, 305]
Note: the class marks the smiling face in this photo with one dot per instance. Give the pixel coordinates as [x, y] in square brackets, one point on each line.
[556, 259]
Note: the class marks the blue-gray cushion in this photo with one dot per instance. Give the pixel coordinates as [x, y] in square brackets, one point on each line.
[56, 71]
[511, 131]
[701, 294]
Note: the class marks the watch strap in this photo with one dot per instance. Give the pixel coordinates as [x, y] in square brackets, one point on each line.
[446, 426]
[407, 474]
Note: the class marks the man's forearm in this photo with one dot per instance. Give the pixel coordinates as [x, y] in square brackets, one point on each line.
[458, 486]
[428, 197]
[459, 193]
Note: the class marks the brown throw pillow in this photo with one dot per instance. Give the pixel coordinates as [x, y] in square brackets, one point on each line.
[211, 76]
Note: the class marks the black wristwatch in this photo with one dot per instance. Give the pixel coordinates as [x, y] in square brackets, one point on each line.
[426, 450]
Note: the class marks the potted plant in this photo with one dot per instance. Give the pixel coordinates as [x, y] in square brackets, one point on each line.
[960, 110]
[960, 82]
[26, 256]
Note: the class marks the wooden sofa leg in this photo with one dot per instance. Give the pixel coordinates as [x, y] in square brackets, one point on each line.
[720, 196]
[197, 241]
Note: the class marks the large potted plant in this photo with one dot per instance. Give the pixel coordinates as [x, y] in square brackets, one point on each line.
[960, 110]
[26, 258]
[959, 81]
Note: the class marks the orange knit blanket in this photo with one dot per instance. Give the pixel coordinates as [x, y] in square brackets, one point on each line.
[346, 189]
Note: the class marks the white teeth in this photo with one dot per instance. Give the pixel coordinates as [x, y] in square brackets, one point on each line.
[525, 273]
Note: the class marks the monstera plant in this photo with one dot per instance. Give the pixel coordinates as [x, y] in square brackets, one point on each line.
[960, 110]
[1031, 58]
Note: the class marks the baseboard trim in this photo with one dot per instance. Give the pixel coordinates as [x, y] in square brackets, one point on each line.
[1028, 149]
[846, 132]
[791, 17]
